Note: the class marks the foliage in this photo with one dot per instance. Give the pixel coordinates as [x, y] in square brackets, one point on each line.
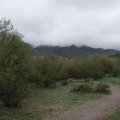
[102, 88]
[14, 65]
[46, 101]
[83, 88]
[50, 68]
[115, 115]
[65, 82]
[86, 68]
[45, 71]
[114, 80]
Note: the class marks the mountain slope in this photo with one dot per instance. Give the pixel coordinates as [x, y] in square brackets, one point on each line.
[71, 51]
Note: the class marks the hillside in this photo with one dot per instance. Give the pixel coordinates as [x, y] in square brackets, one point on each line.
[70, 51]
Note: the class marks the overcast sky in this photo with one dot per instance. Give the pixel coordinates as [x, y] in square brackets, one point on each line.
[64, 22]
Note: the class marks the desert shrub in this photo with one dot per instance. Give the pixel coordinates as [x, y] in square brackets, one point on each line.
[44, 72]
[86, 68]
[83, 88]
[65, 82]
[73, 69]
[36, 78]
[48, 69]
[48, 81]
[12, 90]
[92, 68]
[14, 65]
[108, 64]
[102, 88]
[116, 67]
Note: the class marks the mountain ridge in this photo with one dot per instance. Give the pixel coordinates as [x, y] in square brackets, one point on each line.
[73, 50]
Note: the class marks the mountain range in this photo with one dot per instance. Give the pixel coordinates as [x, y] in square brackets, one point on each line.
[72, 51]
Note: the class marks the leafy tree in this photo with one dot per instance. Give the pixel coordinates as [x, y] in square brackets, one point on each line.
[14, 65]
[45, 71]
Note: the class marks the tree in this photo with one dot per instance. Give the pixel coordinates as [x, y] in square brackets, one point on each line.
[14, 65]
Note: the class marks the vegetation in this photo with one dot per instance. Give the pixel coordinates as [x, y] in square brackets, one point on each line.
[14, 64]
[113, 80]
[65, 82]
[49, 78]
[83, 88]
[102, 88]
[91, 88]
[51, 68]
[45, 102]
[115, 115]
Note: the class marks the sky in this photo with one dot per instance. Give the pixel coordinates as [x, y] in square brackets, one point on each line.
[95, 23]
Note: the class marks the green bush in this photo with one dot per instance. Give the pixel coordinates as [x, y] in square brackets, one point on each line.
[47, 70]
[36, 78]
[65, 82]
[14, 65]
[49, 83]
[12, 90]
[102, 88]
[83, 88]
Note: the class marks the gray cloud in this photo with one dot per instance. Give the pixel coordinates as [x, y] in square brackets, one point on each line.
[65, 22]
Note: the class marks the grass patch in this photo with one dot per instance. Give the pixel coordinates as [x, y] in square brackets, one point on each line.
[115, 80]
[62, 93]
[46, 101]
[115, 115]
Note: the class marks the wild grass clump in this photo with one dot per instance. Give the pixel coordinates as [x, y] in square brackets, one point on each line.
[102, 88]
[83, 88]
[90, 87]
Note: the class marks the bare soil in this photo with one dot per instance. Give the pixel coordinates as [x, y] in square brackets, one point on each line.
[92, 110]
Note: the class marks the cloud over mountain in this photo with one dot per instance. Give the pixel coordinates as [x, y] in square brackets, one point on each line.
[65, 22]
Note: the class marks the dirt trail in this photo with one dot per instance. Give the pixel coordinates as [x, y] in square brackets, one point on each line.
[93, 110]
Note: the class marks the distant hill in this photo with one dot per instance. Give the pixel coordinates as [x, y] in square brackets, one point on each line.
[72, 51]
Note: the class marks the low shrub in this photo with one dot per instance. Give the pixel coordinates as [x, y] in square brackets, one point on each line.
[65, 82]
[12, 92]
[102, 88]
[48, 82]
[83, 88]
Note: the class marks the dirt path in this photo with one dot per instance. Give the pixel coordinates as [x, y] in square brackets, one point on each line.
[93, 110]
